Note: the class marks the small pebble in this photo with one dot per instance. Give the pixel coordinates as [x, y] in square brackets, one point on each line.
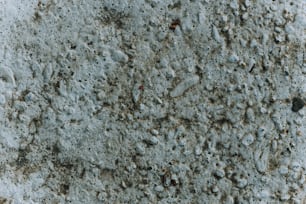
[184, 85]
[224, 18]
[261, 159]
[170, 73]
[243, 42]
[283, 170]
[278, 29]
[101, 95]
[242, 182]
[265, 194]
[154, 132]
[163, 63]
[215, 189]
[245, 17]
[285, 197]
[250, 115]
[123, 184]
[47, 72]
[295, 166]
[261, 132]
[152, 141]
[233, 58]
[7, 74]
[136, 92]
[253, 43]
[158, 100]
[159, 188]
[297, 104]
[265, 38]
[247, 3]
[274, 145]
[119, 56]
[248, 140]
[29, 97]
[198, 150]
[140, 149]
[161, 36]
[174, 179]
[202, 17]
[216, 34]
[2, 99]
[234, 4]
[182, 142]
[220, 173]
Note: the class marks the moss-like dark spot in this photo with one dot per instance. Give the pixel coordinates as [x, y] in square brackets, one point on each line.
[297, 104]
[64, 188]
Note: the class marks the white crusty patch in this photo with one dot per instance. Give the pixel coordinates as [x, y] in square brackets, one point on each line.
[184, 85]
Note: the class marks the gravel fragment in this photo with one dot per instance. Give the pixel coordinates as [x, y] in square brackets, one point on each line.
[220, 173]
[242, 182]
[154, 132]
[184, 85]
[248, 140]
[152, 140]
[136, 92]
[159, 188]
[261, 159]
[140, 149]
[119, 56]
[198, 150]
[216, 34]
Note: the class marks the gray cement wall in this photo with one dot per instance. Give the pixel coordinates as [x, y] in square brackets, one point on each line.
[148, 101]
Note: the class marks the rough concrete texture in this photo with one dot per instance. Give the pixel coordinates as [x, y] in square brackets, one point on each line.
[151, 101]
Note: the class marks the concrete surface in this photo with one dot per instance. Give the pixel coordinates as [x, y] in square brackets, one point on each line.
[150, 101]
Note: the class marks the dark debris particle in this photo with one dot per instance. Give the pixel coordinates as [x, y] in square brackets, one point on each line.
[297, 104]
[174, 24]
[64, 188]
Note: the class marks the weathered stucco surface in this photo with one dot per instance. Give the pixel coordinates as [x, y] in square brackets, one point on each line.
[150, 101]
